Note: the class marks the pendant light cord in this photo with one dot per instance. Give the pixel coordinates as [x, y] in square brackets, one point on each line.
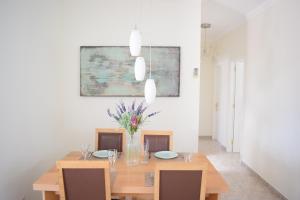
[138, 15]
[205, 43]
[150, 8]
[150, 59]
[140, 12]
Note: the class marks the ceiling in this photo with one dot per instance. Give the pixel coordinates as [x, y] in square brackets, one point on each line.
[225, 15]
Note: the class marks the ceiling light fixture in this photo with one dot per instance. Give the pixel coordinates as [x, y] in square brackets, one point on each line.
[135, 47]
[150, 87]
[205, 27]
[135, 42]
[139, 69]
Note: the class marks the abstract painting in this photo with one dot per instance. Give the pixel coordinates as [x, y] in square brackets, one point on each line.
[107, 71]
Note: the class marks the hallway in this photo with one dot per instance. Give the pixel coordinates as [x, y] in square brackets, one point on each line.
[244, 184]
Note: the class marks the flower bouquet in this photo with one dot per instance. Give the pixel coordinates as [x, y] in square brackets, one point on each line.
[132, 117]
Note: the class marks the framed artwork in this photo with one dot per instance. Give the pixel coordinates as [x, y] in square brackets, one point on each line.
[107, 71]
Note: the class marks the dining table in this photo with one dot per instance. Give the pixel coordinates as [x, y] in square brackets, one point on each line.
[134, 181]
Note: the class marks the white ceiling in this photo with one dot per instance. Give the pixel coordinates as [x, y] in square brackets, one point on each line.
[242, 6]
[225, 15]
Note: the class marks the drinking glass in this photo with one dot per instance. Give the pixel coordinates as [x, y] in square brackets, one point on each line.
[115, 156]
[112, 156]
[188, 157]
[85, 151]
[146, 152]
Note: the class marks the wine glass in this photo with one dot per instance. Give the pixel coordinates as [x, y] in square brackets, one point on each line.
[112, 156]
[115, 156]
[146, 152]
[188, 157]
[85, 151]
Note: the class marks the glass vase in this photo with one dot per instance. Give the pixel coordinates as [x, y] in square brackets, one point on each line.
[132, 151]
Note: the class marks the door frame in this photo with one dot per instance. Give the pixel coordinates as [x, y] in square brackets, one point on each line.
[234, 104]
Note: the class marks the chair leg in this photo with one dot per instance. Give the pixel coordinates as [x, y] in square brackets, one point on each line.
[212, 197]
[47, 195]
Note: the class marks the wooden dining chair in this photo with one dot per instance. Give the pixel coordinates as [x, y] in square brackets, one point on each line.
[178, 181]
[83, 179]
[158, 140]
[110, 138]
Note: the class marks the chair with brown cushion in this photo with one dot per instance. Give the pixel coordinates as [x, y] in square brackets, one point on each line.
[79, 180]
[158, 140]
[178, 181]
[110, 138]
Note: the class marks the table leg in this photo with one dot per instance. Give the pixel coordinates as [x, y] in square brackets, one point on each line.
[47, 195]
[212, 197]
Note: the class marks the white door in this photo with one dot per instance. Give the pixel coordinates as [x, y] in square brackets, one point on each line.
[221, 102]
[228, 115]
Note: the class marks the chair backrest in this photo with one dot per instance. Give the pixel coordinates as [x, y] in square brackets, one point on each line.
[84, 180]
[110, 138]
[178, 181]
[158, 140]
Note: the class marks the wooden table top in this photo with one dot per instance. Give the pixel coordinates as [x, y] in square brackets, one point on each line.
[131, 179]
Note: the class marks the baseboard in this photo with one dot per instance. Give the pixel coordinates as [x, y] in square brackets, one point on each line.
[205, 137]
[265, 182]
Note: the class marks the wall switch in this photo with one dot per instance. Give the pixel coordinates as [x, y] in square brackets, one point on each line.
[196, 71]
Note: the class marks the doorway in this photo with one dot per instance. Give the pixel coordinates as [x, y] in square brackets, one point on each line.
[228, 101]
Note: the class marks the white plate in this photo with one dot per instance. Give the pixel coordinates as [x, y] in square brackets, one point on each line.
[101, 154]
[166, 154]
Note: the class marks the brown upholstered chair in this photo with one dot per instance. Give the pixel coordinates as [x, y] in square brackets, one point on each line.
[158, 140]
[110, 138]
[79, 180]
[178, 181]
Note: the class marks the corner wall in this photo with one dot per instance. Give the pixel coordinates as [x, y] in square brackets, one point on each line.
[30, 140]
[272, 129]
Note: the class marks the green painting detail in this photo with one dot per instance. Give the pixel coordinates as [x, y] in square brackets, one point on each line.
[109, 71]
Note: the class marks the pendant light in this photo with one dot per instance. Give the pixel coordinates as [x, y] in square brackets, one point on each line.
[135, 46]
[139, 69]
[150, 87]
[135, 42]
[135, 39]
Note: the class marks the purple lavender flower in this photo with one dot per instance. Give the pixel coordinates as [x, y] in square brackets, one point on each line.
[152, 114]
[120, 109]
[142, 111]
[119, 114]
[133, 105]
[139, 108]
[116, 118]
[109, 113]
[123, 106]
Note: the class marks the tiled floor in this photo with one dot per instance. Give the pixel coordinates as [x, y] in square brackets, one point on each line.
[243, 183]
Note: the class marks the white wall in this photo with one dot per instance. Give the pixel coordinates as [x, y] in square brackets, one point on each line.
[29, 119]
[43, 116]
[232, 46]
[206, 94]
[272, 128]
[100, 22]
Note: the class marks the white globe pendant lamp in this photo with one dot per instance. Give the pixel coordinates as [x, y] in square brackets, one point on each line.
[150, 87]
[150, 91]
[135, 42]
[139, 69]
